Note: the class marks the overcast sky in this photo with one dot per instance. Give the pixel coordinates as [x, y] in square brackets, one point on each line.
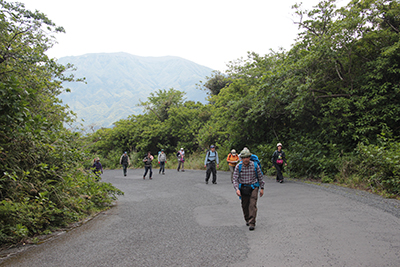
[208, 32]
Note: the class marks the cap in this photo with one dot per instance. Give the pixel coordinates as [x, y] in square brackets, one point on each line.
[279, 144]
[233, 152]
[245, 153]
[181, 148]
[212, 146]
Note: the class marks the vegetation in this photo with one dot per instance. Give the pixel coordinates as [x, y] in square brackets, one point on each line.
[332, 100]
[42, 182]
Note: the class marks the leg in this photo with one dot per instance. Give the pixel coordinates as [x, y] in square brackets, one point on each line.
[146, 168]
[208, 172]
[162, 167]
[179, 165]
[279, 175]
[214, 173]
[183, 165]
[124, 167]
[232, 169]
[245, 207]
[151, 171]
[253, 207]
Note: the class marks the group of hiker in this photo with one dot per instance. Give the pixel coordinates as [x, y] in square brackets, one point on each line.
[245, 168]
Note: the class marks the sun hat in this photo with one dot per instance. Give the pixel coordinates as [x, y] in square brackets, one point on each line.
[245, 153]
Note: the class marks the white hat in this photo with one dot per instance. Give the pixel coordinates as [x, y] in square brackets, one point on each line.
[181, 148]
[233, 152]
[279, 144]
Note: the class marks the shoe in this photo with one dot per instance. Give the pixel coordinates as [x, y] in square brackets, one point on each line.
[281, 181]
[214, 182]
[251, 228]
[163, 173]
[178, 170]
[277, 180]
[183, 170]
[247, 224]
[144, 177]
[124, 174]
[159, 171]
[206, 182]
[150, 178]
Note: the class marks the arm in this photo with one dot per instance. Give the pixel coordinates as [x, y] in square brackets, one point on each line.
[236, 180]
[205, 161]
[260, 180]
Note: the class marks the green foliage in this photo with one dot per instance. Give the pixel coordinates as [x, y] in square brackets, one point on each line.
[41, 179]
[336, 89]
[168, 123]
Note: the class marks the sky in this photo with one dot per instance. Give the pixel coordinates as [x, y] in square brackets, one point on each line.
[211, 33]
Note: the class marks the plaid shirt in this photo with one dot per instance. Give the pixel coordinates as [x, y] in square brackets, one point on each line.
[247, 176]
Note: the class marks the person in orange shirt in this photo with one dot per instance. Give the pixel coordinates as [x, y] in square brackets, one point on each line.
[232, 159]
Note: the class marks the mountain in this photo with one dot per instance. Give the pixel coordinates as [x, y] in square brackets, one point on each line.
[115, 82]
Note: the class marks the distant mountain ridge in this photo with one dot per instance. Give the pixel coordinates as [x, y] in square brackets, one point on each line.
[116, 82]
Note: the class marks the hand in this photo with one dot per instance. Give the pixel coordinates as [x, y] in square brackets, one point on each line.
[261, 192]
[285, 164]
[238, 193]
[217, 165]
[273, 166]
[205, 166]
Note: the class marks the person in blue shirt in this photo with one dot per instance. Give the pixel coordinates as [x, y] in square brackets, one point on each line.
[209, 163]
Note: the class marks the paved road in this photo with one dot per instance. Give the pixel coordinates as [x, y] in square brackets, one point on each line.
[178, 220]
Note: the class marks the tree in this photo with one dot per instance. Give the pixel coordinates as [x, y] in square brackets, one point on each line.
[41, 179]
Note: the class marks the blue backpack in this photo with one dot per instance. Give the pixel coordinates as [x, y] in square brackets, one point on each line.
[256, 161]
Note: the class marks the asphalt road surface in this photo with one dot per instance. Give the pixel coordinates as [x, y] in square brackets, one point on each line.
[178, 220]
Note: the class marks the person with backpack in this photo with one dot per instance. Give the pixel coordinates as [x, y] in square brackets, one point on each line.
[162, 159]
[97, 168]
[278, 159]
[125, 162]
[232, 160]
[181, 159]
[209, 163]
[147, 165]
[247, 182]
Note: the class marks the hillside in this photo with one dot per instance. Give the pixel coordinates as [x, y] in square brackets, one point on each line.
[117, 81]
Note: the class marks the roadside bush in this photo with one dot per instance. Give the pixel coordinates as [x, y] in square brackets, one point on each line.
[380, 165]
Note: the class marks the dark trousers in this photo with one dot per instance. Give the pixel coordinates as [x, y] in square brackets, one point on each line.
[279, 169]
[249, 207]
[162, 166]
[125, 167]
[146, 168]
[211, 168]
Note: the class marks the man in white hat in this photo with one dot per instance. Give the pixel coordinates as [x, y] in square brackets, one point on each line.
[247, 181]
